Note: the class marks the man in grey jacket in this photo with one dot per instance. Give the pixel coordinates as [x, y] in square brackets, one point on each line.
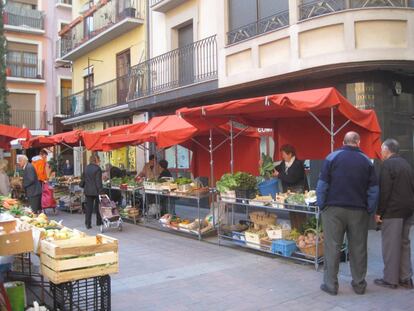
[31, 184]
[92, 186]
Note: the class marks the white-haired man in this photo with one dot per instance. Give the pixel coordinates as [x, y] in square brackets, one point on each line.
[31, 184]
[395, 212]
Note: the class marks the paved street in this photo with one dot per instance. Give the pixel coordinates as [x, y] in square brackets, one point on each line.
[161, 271]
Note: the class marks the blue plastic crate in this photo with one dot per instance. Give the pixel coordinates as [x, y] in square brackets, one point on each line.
[239, 238]
[284, 247]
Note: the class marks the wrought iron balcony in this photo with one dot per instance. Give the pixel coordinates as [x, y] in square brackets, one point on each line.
[23, 18]
[94, 26]
[191, 64]
[34, 120]
[259, 27]
[100, 97]
[24, 67]
[317, 8]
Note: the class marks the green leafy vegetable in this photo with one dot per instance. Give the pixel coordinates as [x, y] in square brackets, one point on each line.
[267, 168]
[226, 183]
[183, 181]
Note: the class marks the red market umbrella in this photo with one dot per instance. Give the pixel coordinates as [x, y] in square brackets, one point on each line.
[9, 133]
[72, 138]
[94, 140]
[38, 142]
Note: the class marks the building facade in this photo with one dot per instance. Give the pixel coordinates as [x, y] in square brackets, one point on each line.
[363, 48]
[102, 42]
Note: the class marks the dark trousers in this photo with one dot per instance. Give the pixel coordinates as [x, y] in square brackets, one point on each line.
[396, 250]
[337, 221]
[36, 203]
[92, 203]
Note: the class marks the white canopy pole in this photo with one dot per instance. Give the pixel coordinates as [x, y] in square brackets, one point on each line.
[211, 159]
[231, 148]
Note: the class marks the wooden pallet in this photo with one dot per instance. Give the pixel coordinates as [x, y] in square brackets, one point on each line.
[75, 259]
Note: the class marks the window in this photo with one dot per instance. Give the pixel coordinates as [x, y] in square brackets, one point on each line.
[249, 18]
[179, 160]
[22, 64]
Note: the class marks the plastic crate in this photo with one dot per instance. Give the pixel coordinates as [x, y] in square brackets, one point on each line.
[284, 247]
[87, 294]
[239, 237]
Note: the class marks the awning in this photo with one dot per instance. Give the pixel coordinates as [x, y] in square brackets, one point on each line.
[94, 140]
[314, 121]
[38, 142]
[73, 138]
[9, 133]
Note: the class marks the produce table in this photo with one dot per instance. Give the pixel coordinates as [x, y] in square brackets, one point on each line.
[130, 196]
[244, 206]
[171, 195]
[73, 191]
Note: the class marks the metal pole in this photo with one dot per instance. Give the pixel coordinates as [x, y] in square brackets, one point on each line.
[211, 160]
[231, 148]
[81, 157]
[332, 130]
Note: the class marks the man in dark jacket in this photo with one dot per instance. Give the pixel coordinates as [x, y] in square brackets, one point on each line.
[347, 193]
[31, 184]
[92, 188]
[395, 212]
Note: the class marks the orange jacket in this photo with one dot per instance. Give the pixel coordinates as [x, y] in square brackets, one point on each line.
[40, 168]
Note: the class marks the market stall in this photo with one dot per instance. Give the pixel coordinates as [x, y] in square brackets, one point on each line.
[191, 200]
[315, 122]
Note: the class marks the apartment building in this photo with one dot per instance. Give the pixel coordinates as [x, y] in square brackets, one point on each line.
[244, 48]
[24, 25]
[103, 40]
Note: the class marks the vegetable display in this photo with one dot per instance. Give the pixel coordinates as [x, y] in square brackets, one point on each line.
[226, 183]
[245, 181]
[267, 168]
[183, 181]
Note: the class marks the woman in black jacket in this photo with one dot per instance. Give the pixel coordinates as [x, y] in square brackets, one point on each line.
[291, 171]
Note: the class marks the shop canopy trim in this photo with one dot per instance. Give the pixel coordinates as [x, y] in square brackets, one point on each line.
[292, 116]
[72, 138]
[9, 133]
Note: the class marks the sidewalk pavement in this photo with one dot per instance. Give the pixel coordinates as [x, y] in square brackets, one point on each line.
[162, 271]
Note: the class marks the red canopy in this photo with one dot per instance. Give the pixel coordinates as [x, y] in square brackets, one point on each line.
[165, 131]
[293, 118]
[72, 138]
[94, 140]
[9, 133]
[39, 142]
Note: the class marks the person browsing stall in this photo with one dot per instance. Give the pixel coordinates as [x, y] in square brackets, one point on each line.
[4, 179]
[40, 165]
[395, 213]
[31, 184]
[92, 185]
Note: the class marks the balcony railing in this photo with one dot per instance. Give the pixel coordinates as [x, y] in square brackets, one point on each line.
[106, 16]
[34, 120]
[193, 63]
[24, 18]
[259, 27]
[317, 8]
[102, 96]
[26, 68]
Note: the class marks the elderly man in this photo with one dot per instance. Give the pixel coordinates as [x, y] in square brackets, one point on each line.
[347, 192]
[395, 211]
[31, 184]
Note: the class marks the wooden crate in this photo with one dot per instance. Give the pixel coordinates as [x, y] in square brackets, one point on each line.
[76, 259]
[16, 243]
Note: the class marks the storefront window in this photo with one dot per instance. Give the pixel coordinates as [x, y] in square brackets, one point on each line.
[179, 160]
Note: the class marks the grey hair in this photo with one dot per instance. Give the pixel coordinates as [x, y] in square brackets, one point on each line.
[352, 138]
[22, 157]
[392, 145]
